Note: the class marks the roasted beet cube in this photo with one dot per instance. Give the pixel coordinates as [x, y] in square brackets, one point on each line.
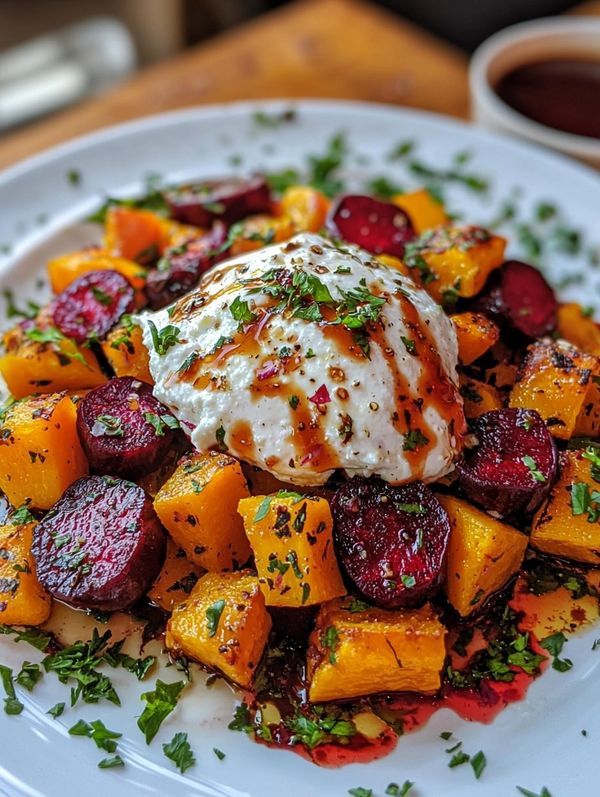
[100, 546]
[379, 227]
[228, 200]
[518, 297]
[514, 464]
[181, 267]
[124, 430]
[390, 540]
[91, 305]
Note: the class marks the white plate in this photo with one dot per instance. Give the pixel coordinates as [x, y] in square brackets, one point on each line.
[533, 743]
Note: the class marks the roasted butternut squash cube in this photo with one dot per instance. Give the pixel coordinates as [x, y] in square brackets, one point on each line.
[63, 270]
[555, 379]
[256, 231]
[135, 234]
[475, 333]
[125, 351]
[478, 397]
[424, 211]
[198, 507]
[40, 452]
[398, 265]
[291, 536]
[483, 554]
[355, 651]
[223, 624]
[567, 524]
[46, 363]
[576, 326]
[455, 261]
[588, 420]
[305, 206]
[176, 579]
[23, 600]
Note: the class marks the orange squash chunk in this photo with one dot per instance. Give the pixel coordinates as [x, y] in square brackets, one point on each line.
[478, 397]
[576, 326]
[65, 269]
[355, 651]
[475, 333]
[424, 211]
[40, 453]
[223, 624]
[126, 354]
[23, 600]
[198, 507]
[258, 231]
[30, 366]
[483, 554]
[564, 525]
[292, 539]
[556, 379]
[176, 579]
[455, 261]
[134, 234]
[305, 206]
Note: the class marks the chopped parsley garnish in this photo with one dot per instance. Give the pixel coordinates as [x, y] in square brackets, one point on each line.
[161, 422]
[110, 763]
[21, 516]
[383, 187]
[56, 711]
[394, 790]
[29, 675]
[220, 435]
[213, 616]
[414, 440]
[530, 463]
[108, 426]
[159, 704]
[320, 727]
[592, 454]
[12, 311]
[74, 176]
[330, 639]
[527, 793]
[585, 501]
[12, 705]
[219, 753]
[479, 763]
[101, 296]
[293, 401]
[165, 338]
[78, 663]
[360, 791]
[241, 312]
[409, 345]
[265, 504]
[33, 636]
[179, 751]
[411, 509]
[104, 738]
[554, 645]
[408, 581]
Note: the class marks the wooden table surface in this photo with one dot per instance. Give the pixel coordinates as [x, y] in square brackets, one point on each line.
[346, 49]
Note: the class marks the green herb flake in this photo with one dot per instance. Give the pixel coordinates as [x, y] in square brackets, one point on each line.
[527, 793]
[414, 440]
[360, 791]
[111, 763]
[159, 704]
[165, 338]
[179, 751]
[241, 312]
[394, 790]
[219, 753]
[29, 675]
[411, 509]
[56, 711]
[329, 640]
[554, 645]
[12, 705]
[479, 763]
[213, 616]
[530, 463]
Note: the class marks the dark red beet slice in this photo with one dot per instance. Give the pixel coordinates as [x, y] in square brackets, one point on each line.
[379, 227]
[180, 268]
[228, 200]
[124, 429]
[100, 546]
[519, 297]
[390, 540]
[91, 305]
[514, 465]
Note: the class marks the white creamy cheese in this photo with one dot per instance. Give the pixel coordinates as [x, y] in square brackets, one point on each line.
[286, 386]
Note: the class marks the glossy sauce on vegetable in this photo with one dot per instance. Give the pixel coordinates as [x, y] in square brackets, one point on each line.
[563, 93]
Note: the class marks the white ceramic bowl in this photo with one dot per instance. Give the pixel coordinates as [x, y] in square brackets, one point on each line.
[553, 37]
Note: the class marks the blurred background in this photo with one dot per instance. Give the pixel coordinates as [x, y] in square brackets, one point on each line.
[56, 53]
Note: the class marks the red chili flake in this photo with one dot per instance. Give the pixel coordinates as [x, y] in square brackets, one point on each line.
[268, 369]
[321, 396]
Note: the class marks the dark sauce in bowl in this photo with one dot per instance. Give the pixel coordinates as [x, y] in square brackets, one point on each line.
[562, 93]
